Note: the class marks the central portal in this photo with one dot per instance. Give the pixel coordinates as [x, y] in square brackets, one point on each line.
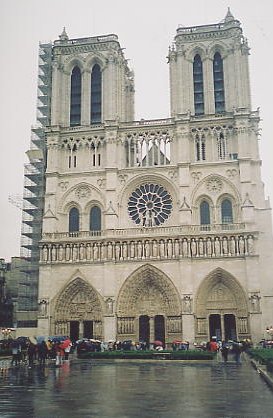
[152, 328]
[144, 329]
[149, 308]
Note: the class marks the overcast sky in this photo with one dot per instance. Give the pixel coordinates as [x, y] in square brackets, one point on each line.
[145, 29]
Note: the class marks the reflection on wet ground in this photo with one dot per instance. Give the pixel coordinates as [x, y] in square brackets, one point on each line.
[133, 389]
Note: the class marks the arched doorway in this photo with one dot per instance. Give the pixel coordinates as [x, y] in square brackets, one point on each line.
[221, 308]
[149, 308]
[78, 312]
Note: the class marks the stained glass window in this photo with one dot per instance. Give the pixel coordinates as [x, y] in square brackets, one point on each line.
[150, 205]
[75, 97]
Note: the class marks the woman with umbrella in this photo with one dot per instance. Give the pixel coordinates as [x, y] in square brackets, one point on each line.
[66, 346]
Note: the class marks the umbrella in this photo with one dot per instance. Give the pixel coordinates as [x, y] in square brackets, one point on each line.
[177, 342]
[66, 343]
[158, 343]
[33, 340]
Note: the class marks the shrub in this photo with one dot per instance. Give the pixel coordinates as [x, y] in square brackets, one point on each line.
[161, 355]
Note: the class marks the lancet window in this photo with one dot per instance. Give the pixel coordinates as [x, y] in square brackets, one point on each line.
[95, 219]
[198, 85]
[200, 147]
[95, 116]
[226, 211]
[222, 146]
[148, 149]
[218, 79]
[75, 97]
[74, 220]
[204, 213]
[72, 156]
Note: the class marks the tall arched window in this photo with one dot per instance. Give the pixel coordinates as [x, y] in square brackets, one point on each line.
[218, 79]
[226, 212]
[95, 115]
[222, 147]
[200, 145]
[204, 213]
[198, 86]
[95, 219]
[74, 220]
[75, 97]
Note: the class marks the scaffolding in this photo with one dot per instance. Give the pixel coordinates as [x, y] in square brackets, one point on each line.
[33, 196]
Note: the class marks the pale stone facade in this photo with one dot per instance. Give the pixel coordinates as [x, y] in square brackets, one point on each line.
[154, 268]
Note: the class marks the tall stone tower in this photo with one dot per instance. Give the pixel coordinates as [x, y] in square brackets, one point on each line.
[154, 229]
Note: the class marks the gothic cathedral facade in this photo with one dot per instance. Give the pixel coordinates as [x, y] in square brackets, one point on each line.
[153, 229]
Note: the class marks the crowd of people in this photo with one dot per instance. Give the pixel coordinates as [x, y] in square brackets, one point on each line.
[57, 349]
[29, 351]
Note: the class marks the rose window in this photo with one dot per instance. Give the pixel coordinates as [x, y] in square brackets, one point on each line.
[150, 205]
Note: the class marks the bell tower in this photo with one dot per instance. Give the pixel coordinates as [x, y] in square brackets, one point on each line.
[91, 82]
[209, 69]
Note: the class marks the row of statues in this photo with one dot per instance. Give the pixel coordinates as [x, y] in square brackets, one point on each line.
[215, 246]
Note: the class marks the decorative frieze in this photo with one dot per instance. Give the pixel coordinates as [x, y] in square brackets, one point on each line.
[149, 249]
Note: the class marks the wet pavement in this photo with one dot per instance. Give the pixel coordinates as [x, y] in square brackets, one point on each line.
[134, 389]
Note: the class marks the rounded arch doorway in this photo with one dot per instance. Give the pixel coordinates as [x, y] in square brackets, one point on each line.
[149, 308]
[221, 308]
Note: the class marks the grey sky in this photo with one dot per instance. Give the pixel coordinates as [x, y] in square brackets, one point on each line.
[145, 29]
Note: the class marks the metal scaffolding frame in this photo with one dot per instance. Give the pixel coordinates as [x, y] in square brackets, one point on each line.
[34, 188]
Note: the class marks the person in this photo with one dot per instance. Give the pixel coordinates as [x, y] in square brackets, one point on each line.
[237, 349]
[213, 345]
[224, 350]
[67, 348]
[15, 350]
[42, 353]
[31, 350]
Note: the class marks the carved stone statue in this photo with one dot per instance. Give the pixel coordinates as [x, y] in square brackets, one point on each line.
[162, 249]
[139, 249]
[147, 249]
[176, 248]
[241, 246]
[124, 250]
[232, 246]
[117, 250]
[109, 251]
[169, 248]
[132, 249]
[185, 247]
[187, 304]
[155, 249]
[250, 245]
[109, 306]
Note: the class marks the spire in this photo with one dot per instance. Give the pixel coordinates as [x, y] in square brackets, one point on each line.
[63, 36]
[229, 16]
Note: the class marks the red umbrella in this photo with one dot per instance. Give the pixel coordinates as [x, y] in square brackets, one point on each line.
[158, 343]
[66, 343]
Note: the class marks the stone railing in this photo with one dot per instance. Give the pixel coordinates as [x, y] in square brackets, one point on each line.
[143, 232]
[120, 249]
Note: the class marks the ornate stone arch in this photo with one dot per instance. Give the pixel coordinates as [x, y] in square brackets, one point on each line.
[89, 191]
[221, 293]
[92, 59]
[73, 62]
[220, 47]
[77, 301]
[215, 186]
[200, 50]
[196, 208]
[148, 291]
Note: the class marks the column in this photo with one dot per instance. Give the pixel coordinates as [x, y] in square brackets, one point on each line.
[152, 329]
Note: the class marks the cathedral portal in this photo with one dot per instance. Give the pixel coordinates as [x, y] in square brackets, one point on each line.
[221, 308]
[78, 312]
[149, 307]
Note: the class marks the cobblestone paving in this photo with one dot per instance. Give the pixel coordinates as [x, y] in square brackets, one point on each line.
[131, 389]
